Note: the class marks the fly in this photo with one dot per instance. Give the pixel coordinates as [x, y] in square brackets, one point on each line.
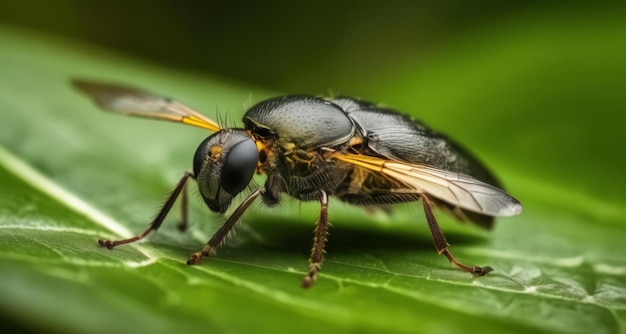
[312, 148]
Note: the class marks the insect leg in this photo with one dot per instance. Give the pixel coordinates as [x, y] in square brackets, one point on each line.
[184, 209]
[158, 220]
[442, 245]
[219, 236]
[319, 242]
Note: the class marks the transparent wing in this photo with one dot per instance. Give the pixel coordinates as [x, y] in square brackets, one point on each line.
[454, 188]
[136, 102]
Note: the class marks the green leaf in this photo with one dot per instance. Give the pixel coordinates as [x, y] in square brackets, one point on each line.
[70, 175]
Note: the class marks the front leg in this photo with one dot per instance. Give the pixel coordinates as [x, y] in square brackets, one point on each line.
[319, 242]
[179, 190]
[218, 238]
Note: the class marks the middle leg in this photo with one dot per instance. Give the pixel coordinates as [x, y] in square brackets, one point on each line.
[319, 242]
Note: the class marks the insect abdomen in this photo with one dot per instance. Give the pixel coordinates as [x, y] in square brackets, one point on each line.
[396, 136]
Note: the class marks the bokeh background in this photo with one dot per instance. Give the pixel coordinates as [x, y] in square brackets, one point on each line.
[552, 71]
[537, 89]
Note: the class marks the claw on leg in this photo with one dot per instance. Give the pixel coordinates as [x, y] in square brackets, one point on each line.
[106, 243]
[197, 257]
[112, 243]
[311, 276]
[474, 270]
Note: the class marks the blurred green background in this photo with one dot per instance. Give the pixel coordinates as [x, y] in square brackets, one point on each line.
[536, 89]
[553, 72]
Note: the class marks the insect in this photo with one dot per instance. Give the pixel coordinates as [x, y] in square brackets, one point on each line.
[311, 148]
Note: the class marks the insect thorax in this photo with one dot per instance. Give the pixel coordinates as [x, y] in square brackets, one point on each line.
[302, 174]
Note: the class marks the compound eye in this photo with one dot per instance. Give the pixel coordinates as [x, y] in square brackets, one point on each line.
[239, 166]
[201, 153]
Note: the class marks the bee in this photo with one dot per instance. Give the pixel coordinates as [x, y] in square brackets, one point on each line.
[311, 148]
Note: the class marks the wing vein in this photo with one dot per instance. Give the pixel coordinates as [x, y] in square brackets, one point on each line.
[457, 189]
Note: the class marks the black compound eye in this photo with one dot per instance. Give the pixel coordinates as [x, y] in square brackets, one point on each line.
[201, 154]
[239, 166]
